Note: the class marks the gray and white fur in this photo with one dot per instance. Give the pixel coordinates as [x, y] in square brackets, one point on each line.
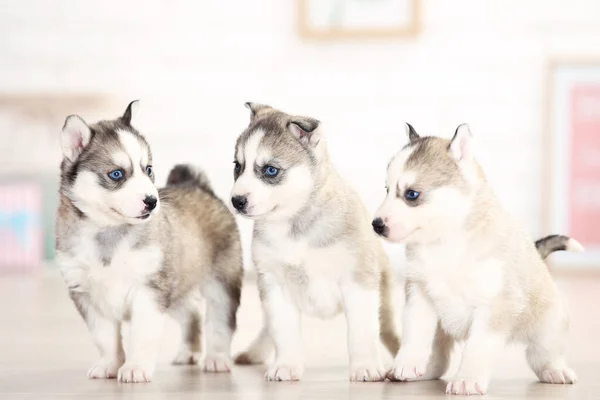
[312, 246]
[131, 254]
[473, 274]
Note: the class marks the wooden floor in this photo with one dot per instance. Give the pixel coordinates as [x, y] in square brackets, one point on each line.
[45, 352]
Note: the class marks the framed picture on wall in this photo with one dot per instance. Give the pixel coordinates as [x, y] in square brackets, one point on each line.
[340, 19]
[572, 194]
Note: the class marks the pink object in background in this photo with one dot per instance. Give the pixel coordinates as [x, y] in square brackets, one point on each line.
[585, 164]
[21, 236]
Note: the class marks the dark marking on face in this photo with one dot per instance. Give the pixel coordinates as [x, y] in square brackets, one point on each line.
[434, 168]
[238, 169]
[259, 171]
[401, 194]
[285, 149]
[97, 156]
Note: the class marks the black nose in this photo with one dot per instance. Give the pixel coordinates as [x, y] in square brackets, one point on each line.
[379, 226]
[239, 202]
[150, 202]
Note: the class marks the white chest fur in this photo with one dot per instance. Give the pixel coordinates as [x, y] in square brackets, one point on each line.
[110, 281]
[309, 275]
[457, 282]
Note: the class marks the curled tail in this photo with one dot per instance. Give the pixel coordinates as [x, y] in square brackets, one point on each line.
[549, 244]
[185, 174]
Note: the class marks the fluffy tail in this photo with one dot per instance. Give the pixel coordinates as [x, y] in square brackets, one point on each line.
[185, 174]
[549, 244]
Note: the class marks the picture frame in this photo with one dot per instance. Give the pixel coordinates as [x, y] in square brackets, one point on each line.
[571, 195]
[359, 19]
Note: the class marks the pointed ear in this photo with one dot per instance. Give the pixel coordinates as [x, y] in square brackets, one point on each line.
[461, 146]
[257, 109]
[130, 112]
[75, 135]
[413, 136]
[306, 130]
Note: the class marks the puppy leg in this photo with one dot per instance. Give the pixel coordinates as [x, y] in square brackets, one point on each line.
[283, 321]
[478, 356]
[191, 338]
[222, 301]
[546, 349]
[259, 351]
[360, 306]
[387, 315]
[107, 338]
[439, 361]
[146, 327]
[418, 330]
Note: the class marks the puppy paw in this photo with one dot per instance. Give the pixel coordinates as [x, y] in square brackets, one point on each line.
[285, 372]
[369, 372]
[558, 376]
[216, 363]
[131, 373]
[104, 370]
[466, 387]
[186, 357]
[408, 366]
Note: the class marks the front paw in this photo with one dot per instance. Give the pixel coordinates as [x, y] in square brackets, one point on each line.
[285, 372]
[558, 376]
[408, 366]
[367, 372]
[135, 373]
[466, 386]
[104, 370]
[217, 363]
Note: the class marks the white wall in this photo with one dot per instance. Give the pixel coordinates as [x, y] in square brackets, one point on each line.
[194, 64]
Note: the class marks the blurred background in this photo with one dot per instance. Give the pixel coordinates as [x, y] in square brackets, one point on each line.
[524, 74]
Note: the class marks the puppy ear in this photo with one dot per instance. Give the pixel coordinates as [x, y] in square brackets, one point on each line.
[306, 130]
[461, 146]
[75, 135]
[412, 134]
[130, 112]
[257, 109]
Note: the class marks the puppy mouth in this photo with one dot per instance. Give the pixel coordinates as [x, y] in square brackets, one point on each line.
[403, 238]
[256, 216]
[140, 217]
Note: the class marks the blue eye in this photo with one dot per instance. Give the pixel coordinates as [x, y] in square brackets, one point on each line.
[149, 169]
[271, 171]
[237, 167]
[116, 175]
[411, 195]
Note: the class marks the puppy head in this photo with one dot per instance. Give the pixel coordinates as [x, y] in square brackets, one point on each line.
[107, 170]
[430, 186]
[276, 163]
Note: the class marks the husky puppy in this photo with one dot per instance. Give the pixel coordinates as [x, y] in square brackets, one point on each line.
[312, 246]
[131, 253]
[474, 275]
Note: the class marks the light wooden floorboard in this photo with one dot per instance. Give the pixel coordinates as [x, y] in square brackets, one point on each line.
[45, 352]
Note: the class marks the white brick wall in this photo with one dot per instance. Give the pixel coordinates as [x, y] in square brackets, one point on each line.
[194, 64]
